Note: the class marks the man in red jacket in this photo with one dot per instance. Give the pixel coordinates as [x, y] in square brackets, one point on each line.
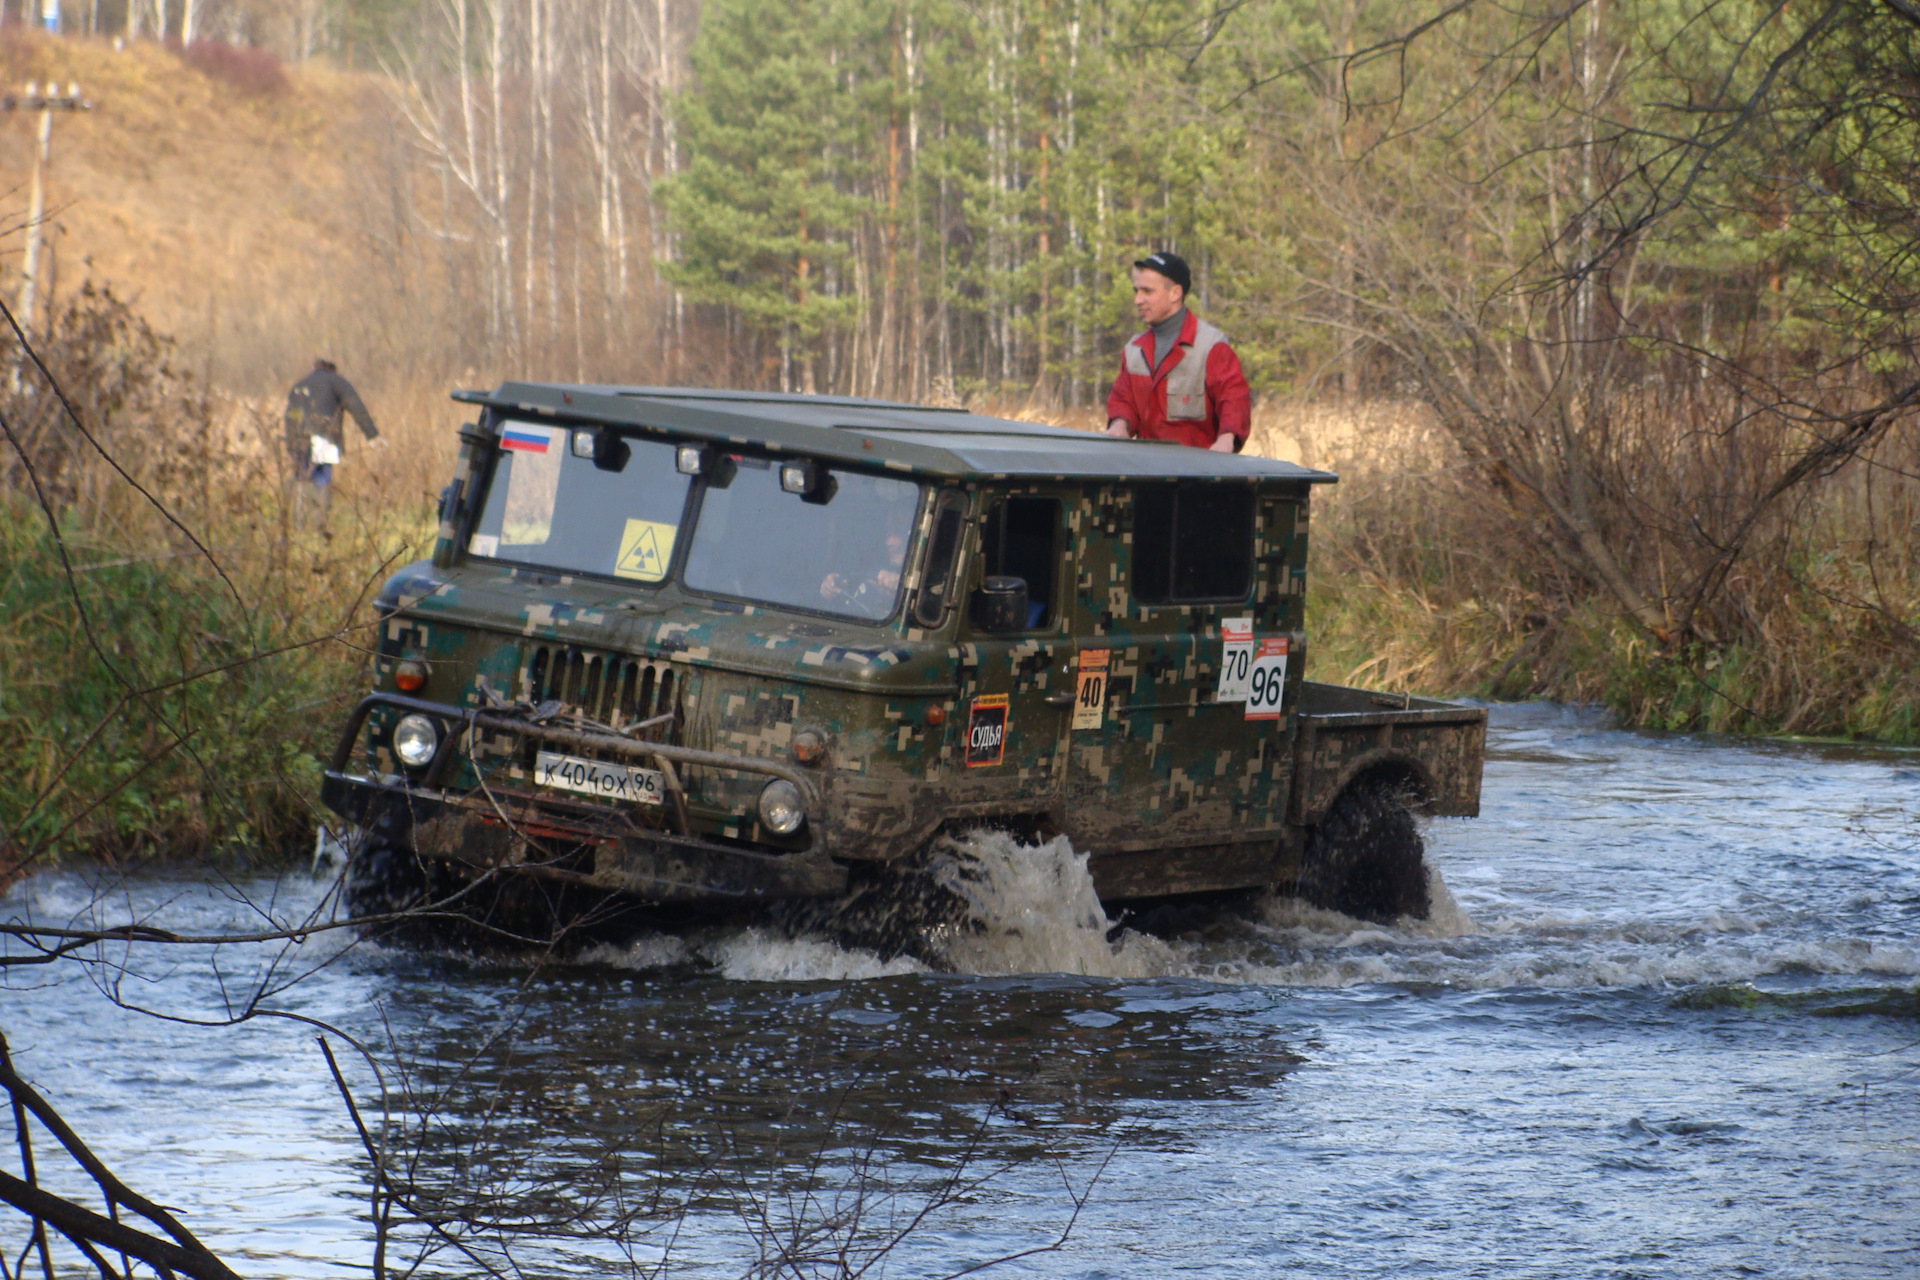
[1180, 380]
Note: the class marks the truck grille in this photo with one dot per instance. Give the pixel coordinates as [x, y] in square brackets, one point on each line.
[611, 689]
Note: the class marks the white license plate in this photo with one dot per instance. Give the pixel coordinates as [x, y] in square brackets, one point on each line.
[598, 778]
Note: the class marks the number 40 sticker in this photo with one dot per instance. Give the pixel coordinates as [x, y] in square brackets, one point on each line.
[1267, 679]
[1090, 690]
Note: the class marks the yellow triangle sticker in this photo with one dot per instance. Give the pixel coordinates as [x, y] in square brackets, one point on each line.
[645, 548]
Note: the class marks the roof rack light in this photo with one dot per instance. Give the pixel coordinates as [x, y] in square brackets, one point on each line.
[810, 480]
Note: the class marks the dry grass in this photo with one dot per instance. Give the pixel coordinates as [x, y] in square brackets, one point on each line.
[237, 223]
[1423, 579]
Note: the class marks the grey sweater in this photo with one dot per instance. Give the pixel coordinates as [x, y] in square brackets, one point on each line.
[1165, 335]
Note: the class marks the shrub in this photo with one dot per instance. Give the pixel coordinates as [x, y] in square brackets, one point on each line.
[247, 68]
[163, 692]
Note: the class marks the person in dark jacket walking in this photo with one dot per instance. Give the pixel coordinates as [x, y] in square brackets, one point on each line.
[315, 407]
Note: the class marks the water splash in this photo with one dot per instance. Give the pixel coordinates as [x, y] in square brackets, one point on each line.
[1034, 910]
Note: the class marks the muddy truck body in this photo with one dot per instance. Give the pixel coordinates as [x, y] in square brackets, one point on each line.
[689, 652]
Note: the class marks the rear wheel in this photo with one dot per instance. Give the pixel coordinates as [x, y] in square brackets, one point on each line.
[1366, 858]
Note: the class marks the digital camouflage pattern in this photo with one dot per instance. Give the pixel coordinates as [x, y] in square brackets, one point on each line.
[1168, 789]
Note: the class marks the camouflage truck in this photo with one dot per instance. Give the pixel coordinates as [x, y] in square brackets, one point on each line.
[681, 652]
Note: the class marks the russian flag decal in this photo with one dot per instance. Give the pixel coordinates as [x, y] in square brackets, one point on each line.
[526, 439]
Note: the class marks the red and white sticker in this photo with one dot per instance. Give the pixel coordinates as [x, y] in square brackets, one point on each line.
[1090, 690]
[1267, 680]
[987, 731]
[1236, 659]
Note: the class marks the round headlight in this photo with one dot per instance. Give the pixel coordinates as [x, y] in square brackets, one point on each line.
[781, 811]
[415, 738]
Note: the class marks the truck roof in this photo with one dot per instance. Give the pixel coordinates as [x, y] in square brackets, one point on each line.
[948, 443]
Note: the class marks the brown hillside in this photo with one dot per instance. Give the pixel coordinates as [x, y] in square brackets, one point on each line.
[258, 228]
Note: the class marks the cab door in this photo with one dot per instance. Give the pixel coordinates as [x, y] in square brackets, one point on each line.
[1016, 687]
[1164, 761]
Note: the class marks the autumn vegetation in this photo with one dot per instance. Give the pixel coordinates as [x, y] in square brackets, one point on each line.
[1602, 310]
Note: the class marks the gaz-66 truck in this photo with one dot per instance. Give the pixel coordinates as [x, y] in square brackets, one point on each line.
[686, 652]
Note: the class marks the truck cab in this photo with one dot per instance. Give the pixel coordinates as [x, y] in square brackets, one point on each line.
[698, 651]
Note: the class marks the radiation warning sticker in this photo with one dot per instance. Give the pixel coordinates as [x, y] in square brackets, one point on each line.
[645, 548]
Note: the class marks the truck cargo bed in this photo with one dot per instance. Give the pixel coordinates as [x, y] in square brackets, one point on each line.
[1437, 746]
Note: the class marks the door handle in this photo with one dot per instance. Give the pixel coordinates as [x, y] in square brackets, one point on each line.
[1060, 699]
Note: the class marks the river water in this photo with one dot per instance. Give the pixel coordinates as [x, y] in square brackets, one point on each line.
[1664, 1022]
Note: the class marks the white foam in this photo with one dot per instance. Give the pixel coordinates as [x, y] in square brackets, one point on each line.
[1446, 918]
[756, 955]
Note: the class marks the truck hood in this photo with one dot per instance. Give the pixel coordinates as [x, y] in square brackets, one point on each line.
[668, 623]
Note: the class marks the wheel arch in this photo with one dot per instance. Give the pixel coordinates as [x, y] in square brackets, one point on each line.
[1318, 792]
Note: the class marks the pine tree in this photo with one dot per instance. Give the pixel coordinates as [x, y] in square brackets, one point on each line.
[770, 199]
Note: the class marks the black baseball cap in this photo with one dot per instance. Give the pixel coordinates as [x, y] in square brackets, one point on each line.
[1172, 266]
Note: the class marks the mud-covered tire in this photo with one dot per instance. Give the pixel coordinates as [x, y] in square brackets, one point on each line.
[906, 907]
[444, 906]
[382, 878]
[1366, 858]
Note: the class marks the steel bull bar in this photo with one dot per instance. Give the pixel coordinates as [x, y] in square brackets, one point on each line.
[664, 867]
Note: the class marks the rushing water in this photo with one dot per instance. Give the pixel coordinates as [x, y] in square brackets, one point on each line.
[1664, 1022]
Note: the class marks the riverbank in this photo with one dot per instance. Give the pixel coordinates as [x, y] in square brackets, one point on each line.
[163, 703]
[1426, 577]
[175, 659]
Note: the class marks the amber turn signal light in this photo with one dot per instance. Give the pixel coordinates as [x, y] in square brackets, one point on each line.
[936, 715]
[410, 676]
[809, 746]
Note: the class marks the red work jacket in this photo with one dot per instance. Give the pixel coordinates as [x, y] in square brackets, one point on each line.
[1199, 393]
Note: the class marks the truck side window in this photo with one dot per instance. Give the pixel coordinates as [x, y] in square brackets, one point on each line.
[943, 551]
[1192, 543]
[1022, 539]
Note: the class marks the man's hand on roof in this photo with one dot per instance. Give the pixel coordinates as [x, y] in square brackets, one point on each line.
[1119, 427]
[1222, 443]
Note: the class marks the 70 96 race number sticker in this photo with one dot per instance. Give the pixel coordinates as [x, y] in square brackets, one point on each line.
[987, 730]
[1236, 659]
[1268, 679]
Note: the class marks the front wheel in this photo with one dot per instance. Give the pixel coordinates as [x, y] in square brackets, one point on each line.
[912, 906]
[1366, 858]
[441, 904]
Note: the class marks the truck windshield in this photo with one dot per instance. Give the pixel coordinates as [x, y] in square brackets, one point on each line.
[845, 556]
[549, 505]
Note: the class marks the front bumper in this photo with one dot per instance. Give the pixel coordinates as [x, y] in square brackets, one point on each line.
[546, 836]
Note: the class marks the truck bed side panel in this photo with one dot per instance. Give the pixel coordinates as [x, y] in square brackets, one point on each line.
[1344, 733]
